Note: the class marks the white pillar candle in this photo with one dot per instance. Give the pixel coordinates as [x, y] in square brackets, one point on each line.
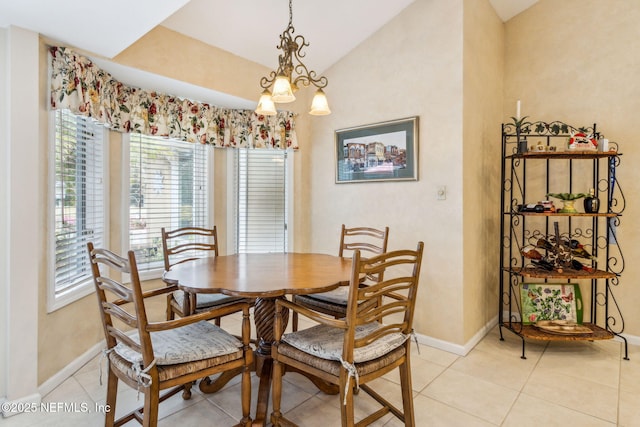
[518, 110]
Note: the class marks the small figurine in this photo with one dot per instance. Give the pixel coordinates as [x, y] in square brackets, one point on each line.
[581, 141]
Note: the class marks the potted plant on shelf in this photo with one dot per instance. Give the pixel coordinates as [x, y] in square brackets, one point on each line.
[568, 200]
[521, 126]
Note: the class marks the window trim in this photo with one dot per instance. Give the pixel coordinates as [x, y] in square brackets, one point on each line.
[86, 287]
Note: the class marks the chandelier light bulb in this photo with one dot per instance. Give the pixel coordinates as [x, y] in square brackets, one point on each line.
[319, 104]
[266, 105]
[282, 91]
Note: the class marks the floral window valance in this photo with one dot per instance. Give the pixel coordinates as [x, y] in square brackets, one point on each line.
[80, 86]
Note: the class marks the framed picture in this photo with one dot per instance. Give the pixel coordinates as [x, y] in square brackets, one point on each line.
[386, 151]
[551, 301]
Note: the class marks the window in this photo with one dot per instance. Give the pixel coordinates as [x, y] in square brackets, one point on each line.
[78, 205]
[261, 211]
[168, 187]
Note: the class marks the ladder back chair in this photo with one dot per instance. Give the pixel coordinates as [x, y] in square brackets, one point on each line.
[364, 345]
[369, 241]
[183, 245]
[153, 356]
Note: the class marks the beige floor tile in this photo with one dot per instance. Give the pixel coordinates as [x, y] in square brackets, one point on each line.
[429, 412]
[202, 413]
[575, 393]
[434, 355]
[529, 411]
[599, 362]
[229, 397]
[511, 345]
[314, 412]
[422, 373]
[498, 368]
[484, 399]
[630, 372]
[629, 409]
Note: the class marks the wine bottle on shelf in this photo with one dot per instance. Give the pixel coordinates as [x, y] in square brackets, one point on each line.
[581, 252]
[544, 264]
[577, 265]
[531, 253]
[591, 204]
[544, 244]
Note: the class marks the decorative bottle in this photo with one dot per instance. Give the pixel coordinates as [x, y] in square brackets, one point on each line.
[591, 204]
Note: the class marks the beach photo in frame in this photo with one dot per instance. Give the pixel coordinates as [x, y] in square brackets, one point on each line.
[386, 151]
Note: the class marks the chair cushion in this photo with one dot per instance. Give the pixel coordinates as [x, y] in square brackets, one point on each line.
[206, 300]
[326, 342]
[337, 296]
[168, 372]
[189, 343]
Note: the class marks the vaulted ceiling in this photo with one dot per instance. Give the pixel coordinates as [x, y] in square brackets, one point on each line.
[247, 28]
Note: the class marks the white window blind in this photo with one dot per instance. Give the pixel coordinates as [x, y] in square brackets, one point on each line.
[261, 201]
[167, 188]
[79, 204]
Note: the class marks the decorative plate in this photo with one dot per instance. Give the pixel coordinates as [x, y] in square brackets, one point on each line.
[550, 301]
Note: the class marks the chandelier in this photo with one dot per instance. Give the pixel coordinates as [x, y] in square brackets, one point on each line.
[291, 74]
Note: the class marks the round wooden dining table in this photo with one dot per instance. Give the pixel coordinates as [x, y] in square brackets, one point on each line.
[265, 277]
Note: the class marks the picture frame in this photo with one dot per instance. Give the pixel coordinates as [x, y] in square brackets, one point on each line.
[385, 151]
[550, 301]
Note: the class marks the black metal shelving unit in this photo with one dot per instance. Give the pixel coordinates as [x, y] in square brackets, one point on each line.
[528, 175]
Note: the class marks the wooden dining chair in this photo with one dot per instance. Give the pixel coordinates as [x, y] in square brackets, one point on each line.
[183, 245]
[364, 345]
[369, 241]
[161, 355]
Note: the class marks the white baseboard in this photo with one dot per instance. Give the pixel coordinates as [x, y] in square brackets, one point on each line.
[463, 350]
[66, 372]
[18, 406]
[460, 350]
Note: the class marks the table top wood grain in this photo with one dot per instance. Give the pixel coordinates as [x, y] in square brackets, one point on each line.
[268, 275]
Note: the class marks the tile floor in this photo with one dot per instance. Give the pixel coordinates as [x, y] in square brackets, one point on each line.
[559, 384]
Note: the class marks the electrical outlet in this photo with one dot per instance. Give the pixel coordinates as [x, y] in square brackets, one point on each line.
[441, 194]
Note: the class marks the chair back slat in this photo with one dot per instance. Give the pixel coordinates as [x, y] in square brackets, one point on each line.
[365, 239]
[115, 287]
[122, 315]
[113, 295]
[188, 244]
[122, 337]
[390, 301]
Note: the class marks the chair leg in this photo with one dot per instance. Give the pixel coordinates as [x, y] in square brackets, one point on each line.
[346, 402]
[151, 402]
[294, 321]
[407, 393]
[170, 313]
[186, 393]
[245, 393]
[276, 391]
[112, 391]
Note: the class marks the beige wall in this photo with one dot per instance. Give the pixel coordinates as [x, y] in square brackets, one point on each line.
[411, 67]
[562, 70]
[483, 89]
